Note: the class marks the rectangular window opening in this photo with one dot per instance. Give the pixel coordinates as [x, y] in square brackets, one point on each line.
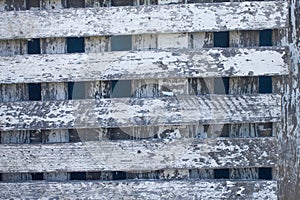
[221, 39]
[32, 4]
[265, 37]
[265, 84]
[37, 176]
[76, 90]
[75, 3]
[77, 175]
[221, 173]
[120, 88]
[119, 133]
[34, 90]
[122, 2]
[75, 45]
[119, 175]
[265, 173]
[121, 43]
[221, 85]
[265, 129]
[36, 137]
[34, 46]
[225, 131]
[74, 136]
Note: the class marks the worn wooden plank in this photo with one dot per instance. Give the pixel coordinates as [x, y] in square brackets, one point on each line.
[144, 65]
[144, 19]
[138, 155]
[124, 112]
[141, 190]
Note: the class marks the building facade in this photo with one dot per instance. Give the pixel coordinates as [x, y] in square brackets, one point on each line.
[149, 99]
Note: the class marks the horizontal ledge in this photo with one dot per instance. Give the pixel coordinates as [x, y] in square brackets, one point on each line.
[125, 112]
[144, 19]
[145, 65]
[139, 155]
[141, 190]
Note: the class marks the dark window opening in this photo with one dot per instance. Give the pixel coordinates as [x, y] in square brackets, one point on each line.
[36, 137]
[14, 5]
[33, 46]
[76, 90]
[74, 136]
[77, 175]
[265, 173]
[0, 176]
[34, 90]
[221, 173]
[265, 38]
[122, 2]
[75, 3]
[206, 128]
[37, 176]
[265, 129]
[120, 89]
[118, 175]
[32, 4]
[221, 39]
[225, 131]
[221, 85]
[219, 1]
[265, 84]
[121, 43]
[75, 45]
[119, 133]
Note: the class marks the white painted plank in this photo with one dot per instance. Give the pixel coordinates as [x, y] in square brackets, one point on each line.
[124, 112]
[138, 155]
[140, 190]
[144, 19]
[155, 64]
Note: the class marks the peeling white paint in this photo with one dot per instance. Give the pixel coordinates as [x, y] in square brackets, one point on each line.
[125, 112]
[144, 65]
[138, 155]
[144, 19]
[141, 190]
